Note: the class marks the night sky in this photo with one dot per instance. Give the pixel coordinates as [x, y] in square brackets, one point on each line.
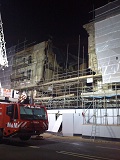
[38, 20]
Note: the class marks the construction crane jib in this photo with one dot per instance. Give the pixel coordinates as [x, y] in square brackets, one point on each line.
[3, 56]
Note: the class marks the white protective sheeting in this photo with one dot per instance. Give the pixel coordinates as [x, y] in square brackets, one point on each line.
[107, 45]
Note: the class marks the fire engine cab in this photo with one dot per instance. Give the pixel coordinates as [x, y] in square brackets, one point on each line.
[22, 120]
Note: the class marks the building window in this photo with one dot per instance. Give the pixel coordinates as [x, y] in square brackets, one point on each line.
[29, 59]
[29, 74]
[23, 60]
[22, 76]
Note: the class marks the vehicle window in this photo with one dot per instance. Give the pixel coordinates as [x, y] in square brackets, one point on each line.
[40, 113]
[16, 113]
[32, 113]
[25, 110]
[10, 110]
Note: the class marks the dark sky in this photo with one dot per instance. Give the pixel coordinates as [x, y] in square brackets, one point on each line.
[36, 20]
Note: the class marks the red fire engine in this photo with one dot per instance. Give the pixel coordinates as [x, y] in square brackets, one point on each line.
[22, 120]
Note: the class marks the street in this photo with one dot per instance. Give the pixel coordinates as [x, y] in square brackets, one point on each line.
[53, 148]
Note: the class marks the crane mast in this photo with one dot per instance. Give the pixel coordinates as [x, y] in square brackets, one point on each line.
[3, 56]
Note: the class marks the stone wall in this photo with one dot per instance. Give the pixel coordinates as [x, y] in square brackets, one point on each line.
[92, 57]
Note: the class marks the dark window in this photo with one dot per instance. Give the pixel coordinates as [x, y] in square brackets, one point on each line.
[29, 59]
[16, 113]
[22, 73]
[10, 110]
[29, 74]
[23, 60]
[22, 76]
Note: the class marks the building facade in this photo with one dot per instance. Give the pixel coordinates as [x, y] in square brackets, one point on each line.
[31, 66]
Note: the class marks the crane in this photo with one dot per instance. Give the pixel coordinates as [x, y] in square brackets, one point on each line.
[3, 56]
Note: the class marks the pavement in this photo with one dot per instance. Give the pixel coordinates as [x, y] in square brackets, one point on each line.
[49, 135]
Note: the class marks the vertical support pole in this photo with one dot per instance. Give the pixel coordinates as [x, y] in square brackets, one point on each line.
[78, 70]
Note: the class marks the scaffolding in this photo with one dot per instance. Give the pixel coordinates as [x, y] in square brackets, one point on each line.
[6, 73]
[98, 95]
[77, 89]
[71, 87]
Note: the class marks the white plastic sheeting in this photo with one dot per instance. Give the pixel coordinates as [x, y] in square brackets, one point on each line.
[107, 45]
